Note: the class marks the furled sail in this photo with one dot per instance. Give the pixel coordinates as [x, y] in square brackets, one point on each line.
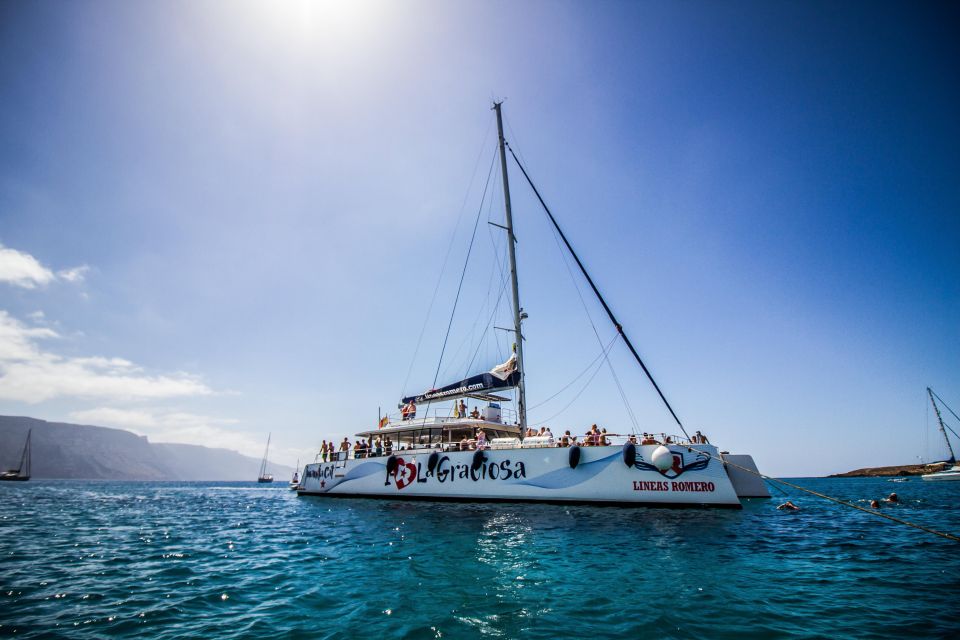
[501, 377]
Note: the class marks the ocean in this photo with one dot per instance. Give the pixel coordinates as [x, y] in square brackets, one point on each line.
[85, 559]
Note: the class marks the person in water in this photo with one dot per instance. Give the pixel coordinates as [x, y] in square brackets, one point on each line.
[789, 506]
[892, 499]
[874, 504]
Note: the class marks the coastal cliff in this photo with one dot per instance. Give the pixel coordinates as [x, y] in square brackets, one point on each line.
[63, 450]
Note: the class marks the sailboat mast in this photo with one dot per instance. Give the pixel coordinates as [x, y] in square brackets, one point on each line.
[511, 242]
[940, 420]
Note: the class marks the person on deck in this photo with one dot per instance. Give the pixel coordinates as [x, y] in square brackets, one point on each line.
[345, 448]
[566, 440]
[475, 414]
[378, 447]
[481, 439]
[462, 409]
[547, 433]
[323, 451]
[464, 444]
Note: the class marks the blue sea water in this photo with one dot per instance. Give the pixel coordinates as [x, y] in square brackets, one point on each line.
[171, 560]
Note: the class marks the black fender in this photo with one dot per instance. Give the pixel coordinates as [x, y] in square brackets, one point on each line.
[391, 465]
[432, 461]
[574, 456]
[629, 454]
[478, 459]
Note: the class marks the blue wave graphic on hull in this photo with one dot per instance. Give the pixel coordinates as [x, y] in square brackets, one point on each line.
[563, 478]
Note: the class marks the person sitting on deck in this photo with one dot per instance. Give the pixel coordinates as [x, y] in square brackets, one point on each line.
[603, 438]
[565, 439]
[546, 433]
[633, 438]
[409, 411]
[481, 439]
[648, 439]
[475, 414]
[464, 444]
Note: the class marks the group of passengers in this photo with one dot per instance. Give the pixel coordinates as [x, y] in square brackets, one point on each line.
[595, 437]
[362, 448]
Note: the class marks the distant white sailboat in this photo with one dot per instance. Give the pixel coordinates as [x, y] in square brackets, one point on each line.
[952, 473]
[264, 476]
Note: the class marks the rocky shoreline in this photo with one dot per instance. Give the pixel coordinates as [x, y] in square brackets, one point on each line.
[883, 472]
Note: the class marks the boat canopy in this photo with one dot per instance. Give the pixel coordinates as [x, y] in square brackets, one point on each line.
[500, 378]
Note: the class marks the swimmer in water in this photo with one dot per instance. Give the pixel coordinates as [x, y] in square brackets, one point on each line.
[789, 506]
[892, 499]
[874, 504]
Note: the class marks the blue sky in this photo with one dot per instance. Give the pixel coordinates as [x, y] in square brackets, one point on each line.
[224, 219]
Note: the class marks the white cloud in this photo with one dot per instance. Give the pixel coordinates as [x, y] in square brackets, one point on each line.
[28, 373]
[164, 425]
[23, 270]
[76, 274]
[37, 316]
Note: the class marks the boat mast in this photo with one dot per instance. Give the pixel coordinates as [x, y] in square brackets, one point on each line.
[953, 458]
[511, 242]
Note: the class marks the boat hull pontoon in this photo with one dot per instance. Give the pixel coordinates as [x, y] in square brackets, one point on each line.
[698, 476]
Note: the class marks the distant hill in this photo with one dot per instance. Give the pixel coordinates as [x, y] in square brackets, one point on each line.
[63, 450]
[883, 472]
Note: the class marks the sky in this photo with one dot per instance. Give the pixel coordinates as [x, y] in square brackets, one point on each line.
[220, 220]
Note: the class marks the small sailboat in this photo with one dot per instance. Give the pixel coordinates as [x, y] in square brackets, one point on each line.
[21, 473]
[295, 481]
[264, 476]
[952, 473]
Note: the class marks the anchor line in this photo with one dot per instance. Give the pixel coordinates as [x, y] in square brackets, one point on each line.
[873, 512]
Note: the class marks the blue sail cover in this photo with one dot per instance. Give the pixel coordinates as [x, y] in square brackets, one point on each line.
[504, 376]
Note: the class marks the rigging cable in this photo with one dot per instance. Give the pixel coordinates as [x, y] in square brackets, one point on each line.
[443, 267]
[584, 388]
[871, 511]
[596, 292]
[616, 378]
[578, 376]
[463, 274]
[947, 407]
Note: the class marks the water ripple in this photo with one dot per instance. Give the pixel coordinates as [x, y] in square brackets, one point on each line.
[97, 559]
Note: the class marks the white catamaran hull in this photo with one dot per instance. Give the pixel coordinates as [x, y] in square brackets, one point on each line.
[533, 474]
[943, 476]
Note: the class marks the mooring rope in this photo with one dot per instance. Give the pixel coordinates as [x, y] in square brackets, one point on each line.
[871, 511]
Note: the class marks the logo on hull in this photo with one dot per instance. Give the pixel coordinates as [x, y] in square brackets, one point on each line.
[699, 462]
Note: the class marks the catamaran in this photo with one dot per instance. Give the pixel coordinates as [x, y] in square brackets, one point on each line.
[490, 454]
[953, 473]
[21, 473]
